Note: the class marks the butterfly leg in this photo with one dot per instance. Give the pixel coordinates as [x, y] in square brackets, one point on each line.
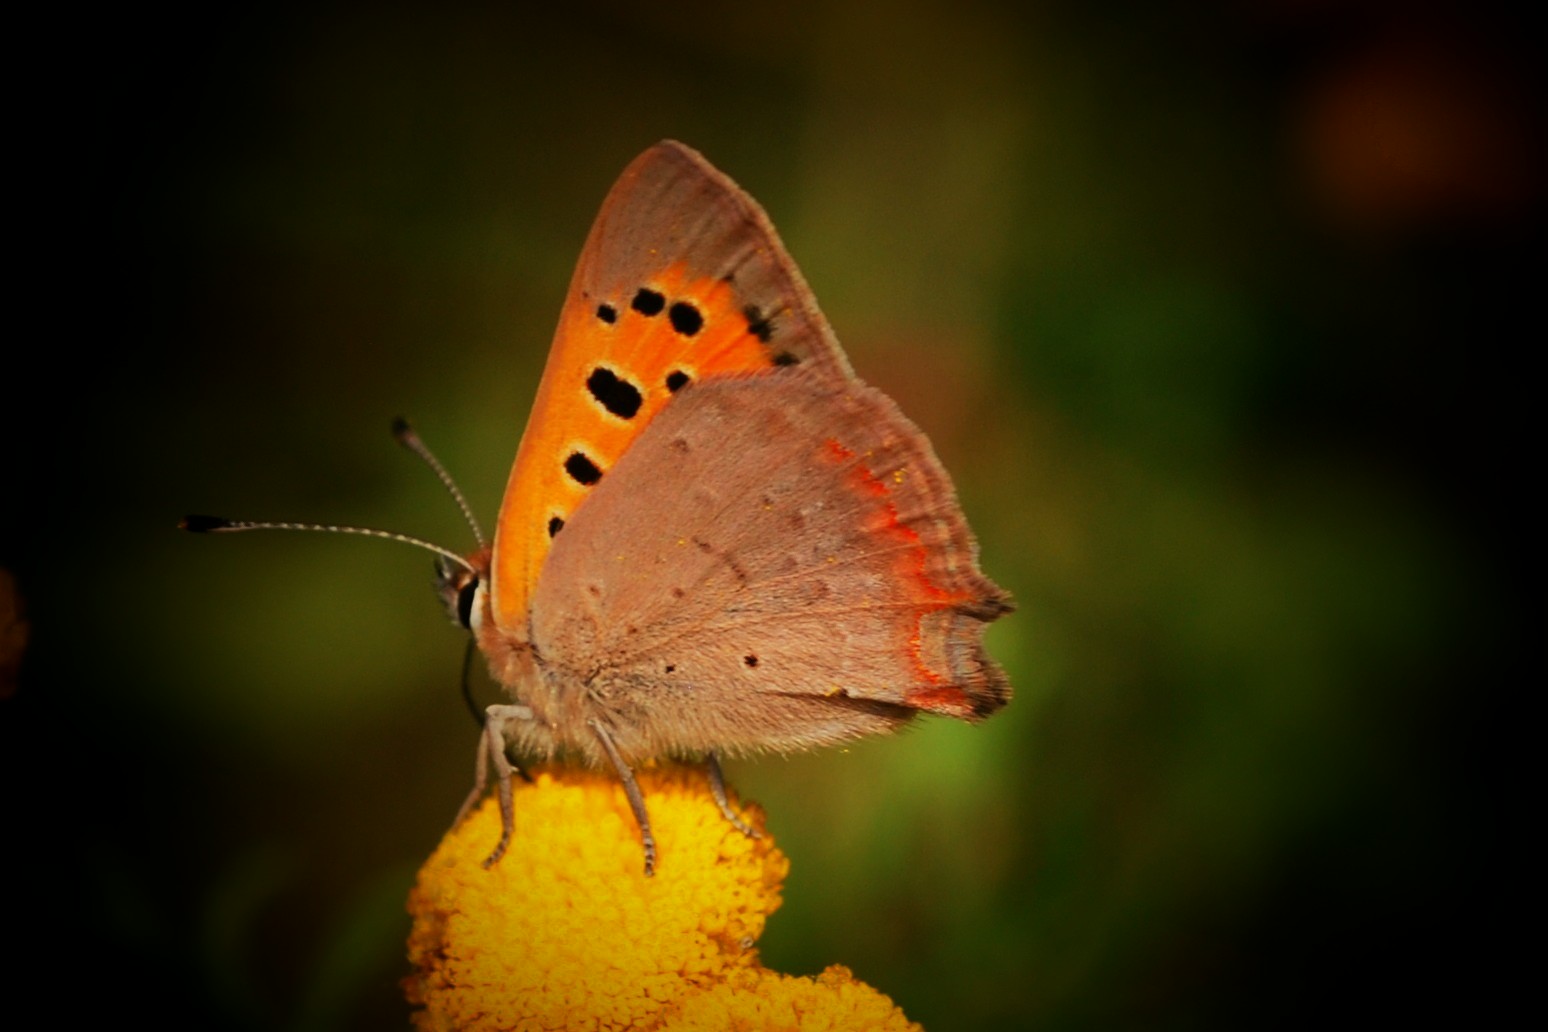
[492, 750]
[479, 715]
[632, 790]
[717, 782]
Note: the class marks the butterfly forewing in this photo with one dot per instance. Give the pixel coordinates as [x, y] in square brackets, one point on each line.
[682, 278]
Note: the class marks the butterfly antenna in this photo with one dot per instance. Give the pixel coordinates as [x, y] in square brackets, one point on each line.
[220, 525]
[410, 440]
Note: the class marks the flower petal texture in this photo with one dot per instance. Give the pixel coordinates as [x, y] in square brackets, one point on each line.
[567, 933]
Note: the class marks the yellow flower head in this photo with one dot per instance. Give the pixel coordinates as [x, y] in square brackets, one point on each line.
[567, 933]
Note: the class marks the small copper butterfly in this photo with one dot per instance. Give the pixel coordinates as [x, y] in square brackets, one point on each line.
[714, 539]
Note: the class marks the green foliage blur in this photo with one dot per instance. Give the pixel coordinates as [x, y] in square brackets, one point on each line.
[1211, 310]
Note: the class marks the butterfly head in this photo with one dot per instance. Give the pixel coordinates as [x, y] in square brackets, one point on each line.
[461, 587]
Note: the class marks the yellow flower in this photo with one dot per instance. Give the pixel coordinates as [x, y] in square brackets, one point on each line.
[566, 932]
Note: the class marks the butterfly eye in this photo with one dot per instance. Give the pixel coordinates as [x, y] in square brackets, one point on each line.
[465, 596]
[458, 588]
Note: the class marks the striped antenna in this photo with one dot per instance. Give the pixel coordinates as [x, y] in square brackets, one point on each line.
[410, 440]
[221, 525]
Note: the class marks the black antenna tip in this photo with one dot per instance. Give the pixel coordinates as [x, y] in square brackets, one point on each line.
[401, 429]
[203, 524]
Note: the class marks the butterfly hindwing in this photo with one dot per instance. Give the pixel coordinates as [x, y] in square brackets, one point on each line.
[779, 561]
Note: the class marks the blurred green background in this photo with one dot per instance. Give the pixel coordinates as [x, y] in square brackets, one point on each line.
[1211, 310]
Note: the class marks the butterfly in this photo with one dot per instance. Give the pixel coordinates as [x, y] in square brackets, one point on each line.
[715, 539]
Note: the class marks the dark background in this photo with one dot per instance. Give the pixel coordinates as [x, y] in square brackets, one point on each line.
[1217, 313]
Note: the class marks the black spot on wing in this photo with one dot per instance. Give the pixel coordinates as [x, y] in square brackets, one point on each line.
[685, 318]
[618, 396]
[648, 302]
[582, 470]
[758, 324]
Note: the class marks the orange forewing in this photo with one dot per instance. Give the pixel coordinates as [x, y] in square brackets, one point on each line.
[682, 278]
